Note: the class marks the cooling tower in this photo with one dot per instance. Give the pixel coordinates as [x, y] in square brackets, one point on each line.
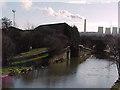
[107, 31]
[114, 30]
[100, 30]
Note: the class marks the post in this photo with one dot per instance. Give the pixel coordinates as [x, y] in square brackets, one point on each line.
[74, 51]
[68, 52]
[13, 17]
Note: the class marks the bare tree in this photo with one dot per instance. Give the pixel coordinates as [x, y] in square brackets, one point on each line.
[29, 26]
[6, 23]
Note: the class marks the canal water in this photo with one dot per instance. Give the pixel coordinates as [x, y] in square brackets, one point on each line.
[93, 73]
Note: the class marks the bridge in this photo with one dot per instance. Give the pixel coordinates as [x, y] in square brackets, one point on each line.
[74, 51]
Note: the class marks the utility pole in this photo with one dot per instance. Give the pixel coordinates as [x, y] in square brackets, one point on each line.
[13, 17]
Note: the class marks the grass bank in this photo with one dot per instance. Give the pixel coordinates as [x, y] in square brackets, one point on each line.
[18, 65]
[7, 70]
[29, 52]
[32, 59]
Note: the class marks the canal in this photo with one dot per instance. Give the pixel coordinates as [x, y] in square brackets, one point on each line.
[93, 73]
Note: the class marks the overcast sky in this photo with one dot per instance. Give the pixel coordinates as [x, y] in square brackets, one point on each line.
[97, 12]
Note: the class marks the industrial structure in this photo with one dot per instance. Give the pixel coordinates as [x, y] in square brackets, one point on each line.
[107, 30]
[13, 17]
[103, 31]
[100, 30]
[84, 25]
[114, 31]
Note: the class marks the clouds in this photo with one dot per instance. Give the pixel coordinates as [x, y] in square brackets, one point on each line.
[2, 4]
[27, 4]
[61, 13]
[90, 1]
[78, 1]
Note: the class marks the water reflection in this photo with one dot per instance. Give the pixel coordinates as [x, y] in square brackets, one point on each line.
[7, 82]
[116, 85]
[93, 73]
[100, 55]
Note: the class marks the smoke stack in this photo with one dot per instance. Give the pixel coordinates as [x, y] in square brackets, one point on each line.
[84, 25]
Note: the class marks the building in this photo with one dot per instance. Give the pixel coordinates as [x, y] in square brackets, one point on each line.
[100, 30]
[88, 33]
[114, 31]
[107, 31]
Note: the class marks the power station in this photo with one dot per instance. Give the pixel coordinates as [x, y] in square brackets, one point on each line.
[107, 30]
[84, 25]
[114, 31]
[100, 30]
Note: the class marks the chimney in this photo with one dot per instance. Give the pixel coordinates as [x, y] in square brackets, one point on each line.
[84, 25]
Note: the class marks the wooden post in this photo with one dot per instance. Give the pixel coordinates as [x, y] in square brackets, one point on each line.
[68, 54]
[74, 51]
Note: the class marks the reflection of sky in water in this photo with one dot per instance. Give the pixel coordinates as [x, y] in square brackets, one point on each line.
[93, 73]
[97, 73]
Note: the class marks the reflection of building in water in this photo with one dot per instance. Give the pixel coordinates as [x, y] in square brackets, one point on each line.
[107, 31]
[114, 30]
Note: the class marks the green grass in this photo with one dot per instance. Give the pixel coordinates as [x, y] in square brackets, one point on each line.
[31, 51]
[25, 53]
[32, 59]
[6, 70]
